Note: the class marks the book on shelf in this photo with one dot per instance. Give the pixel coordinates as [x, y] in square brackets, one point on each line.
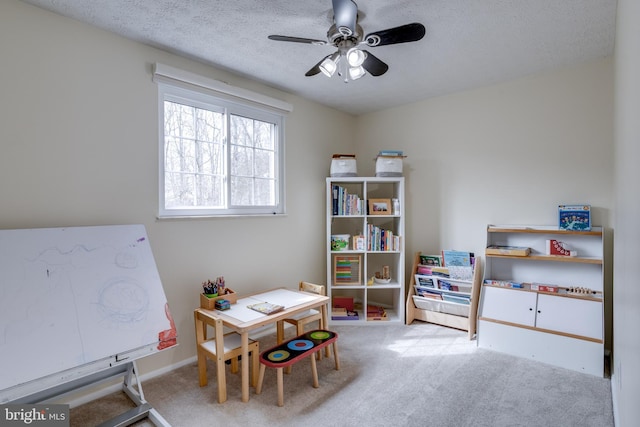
[266, 307]
[461, 272]
[432, 260]
[424, 270]
[381, 240]
[427, 292]
[338, 311]
[345, 203]
[341, 313]
[342, 302]
[375, 312]
[544, 288]
[503, 283]
[574, 217]
[458, 299]
[440, 271]
[508, 250]
[425, 281]
[456, 258]
[391, 153]
[448, 286]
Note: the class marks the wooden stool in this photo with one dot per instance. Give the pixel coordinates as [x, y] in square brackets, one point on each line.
[289, 352]
[301, 319]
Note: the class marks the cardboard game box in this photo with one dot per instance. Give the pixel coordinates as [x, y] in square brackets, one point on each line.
[574, 217]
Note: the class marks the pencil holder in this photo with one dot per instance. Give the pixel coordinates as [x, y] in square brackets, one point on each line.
[210, 303]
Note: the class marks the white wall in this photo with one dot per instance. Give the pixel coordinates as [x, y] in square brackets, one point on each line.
[79, 146]
[625, 378]
[505, 154]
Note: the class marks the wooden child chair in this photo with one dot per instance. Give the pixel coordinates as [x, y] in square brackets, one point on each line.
[304, 318]
[229, 346]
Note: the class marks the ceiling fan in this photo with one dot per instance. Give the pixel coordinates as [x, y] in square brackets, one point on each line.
[347, 35]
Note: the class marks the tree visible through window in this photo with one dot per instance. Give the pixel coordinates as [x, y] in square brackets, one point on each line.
[252, 162]
[218, 158]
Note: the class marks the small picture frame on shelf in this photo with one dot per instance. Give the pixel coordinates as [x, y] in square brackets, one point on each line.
[380, 207]
[347, 269]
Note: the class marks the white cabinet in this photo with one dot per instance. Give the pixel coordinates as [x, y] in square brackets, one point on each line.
[365, 236]
[509, 306]
[545, 307]
[578, 317]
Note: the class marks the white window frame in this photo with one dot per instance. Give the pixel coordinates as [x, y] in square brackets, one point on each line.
[201, 92]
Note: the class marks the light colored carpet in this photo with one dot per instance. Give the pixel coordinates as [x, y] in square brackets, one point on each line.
[415, 375]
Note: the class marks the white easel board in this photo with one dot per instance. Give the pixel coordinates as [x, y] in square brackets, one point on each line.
[74, 301]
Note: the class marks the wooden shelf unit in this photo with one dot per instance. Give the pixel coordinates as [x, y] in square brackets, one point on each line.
[560, 328]
[445, 313]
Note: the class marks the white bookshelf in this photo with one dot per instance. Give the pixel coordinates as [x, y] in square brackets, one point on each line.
[372, 257]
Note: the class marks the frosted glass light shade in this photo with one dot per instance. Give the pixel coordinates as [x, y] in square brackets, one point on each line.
[355, 57]
[328, 67]
[356, 72]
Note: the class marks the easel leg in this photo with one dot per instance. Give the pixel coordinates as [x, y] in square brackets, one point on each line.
[143, 409]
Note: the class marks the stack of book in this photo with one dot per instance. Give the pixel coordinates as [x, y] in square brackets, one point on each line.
[391, 153]
[342, 308]
[341, 313]
[345, 203]
[380, 239]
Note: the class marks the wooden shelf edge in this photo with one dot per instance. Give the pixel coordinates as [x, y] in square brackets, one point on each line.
[527, 288]
[552, 258]
[595, 231]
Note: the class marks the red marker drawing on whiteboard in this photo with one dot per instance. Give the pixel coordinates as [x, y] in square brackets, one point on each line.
[169, 337]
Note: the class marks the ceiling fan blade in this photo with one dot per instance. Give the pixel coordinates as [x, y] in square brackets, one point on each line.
[296, 40]
[345, 15]
[402, 34]
[373, 65]
[316, 68]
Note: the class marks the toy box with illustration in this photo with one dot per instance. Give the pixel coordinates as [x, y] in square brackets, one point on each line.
[574, 217]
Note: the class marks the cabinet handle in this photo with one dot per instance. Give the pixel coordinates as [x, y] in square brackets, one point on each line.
[530, 309]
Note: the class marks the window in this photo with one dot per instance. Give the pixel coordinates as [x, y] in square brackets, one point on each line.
[221, 153]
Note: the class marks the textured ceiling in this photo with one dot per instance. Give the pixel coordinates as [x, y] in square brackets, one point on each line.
[468, 44]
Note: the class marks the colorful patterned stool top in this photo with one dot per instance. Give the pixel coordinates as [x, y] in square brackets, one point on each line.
[291, 351]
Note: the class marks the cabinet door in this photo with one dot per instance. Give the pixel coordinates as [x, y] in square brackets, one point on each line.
[570, 315]
[509, 305]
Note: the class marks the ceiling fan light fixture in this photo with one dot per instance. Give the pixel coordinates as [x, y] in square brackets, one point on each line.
[330, 64]
[356, 72]
[355, 57]
[346, 35]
